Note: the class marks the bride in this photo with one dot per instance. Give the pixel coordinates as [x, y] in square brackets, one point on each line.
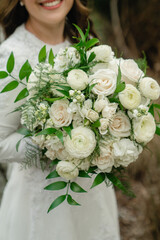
[28, 25]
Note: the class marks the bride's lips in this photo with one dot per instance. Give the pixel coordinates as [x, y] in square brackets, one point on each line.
[51, 4]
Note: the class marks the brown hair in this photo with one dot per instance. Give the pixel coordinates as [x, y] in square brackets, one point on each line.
[13, 15]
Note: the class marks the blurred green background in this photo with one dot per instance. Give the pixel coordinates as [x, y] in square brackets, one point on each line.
[131, 27]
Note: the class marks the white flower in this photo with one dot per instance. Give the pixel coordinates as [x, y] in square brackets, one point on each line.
[103, 53]
[125, 152]
[86, 106]
[120, 125]
[97, 67]
[149, 88]
[77, 79]
[67, 170]
[105, 161]
[50, 154]
[92, 115]
[131, 73]
[82, 143]
[39, 140]
[109, 110]
[105, 80]
[130, 97]
[82, 164]
[77, 120]
[59, 114]
[113, 65]
[144, 128]
[32, 82]
[100, 103]
[65, 58]
[103, 129]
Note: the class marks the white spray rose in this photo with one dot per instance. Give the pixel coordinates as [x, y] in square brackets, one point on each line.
[100, 103]
[125, 152]
[109, 110]
[77, 79]
[103, 53]
[39, 140]
[86, 106]
[67, 170]
[92, 115]
[130, 97]
[103, 129]
[144, 128]
[105, 161]
[131, 73]
[59, 114]
[149, 88]
[82, 143]
[120, 125]
[105, 80]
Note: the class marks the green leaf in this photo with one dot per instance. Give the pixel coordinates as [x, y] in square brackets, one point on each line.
[91, 57]
[91, 87]
[158, 130]
[18, 144]
[119, 76]
[142, 63]
[66, 88]
[151, 109]
[76, 188]
[10, 86]
[10, 63]
[92, 169]
[25, 71]
[156, 106]
[66, 93]
[42, 54]
[59, 134]
[51, 58]
[23, 94]
[116, 182]
[71, 201]
[87, 31]
[91, 43]
[96, 124]
[53, 174]
[120, 87]
[56, 186]
[80, 32]
[83, 174]
[57, 202]
[54, 162]
[68, 130]
[53, 99]
[24, 131]
[47, 131]
[3, 74]
[98, 180]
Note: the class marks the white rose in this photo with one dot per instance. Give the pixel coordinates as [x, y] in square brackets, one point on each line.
[50, 154]
[120, 125]
[92, 115]
[144, 128]
[125, 152]
[39, 140]
[130, 97]
[103, 129]
[149, 88]
[100, 103]
[113, 65]
[105, 161]
[131, 73]
[82, 143]
[103, 53]
[109, 110]
[59, 114]
[67, 170]
[77, 79]
[86, 106]
[105, 80]
[97, 67]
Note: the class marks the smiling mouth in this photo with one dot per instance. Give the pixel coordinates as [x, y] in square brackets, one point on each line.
[51, 4]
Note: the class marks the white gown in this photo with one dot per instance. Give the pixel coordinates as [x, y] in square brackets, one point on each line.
[23, 211]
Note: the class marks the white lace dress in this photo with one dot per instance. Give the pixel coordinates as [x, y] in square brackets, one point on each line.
[23, 211]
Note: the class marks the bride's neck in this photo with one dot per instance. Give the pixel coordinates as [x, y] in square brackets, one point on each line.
[51, 34]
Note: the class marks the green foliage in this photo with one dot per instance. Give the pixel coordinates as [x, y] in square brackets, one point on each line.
[23, 94]
[76, 188]
[47, 131]
[10, 63]
[10, 86]
[59, 134]
[57, 202]
[56, 186]
[51, 58]
[24, 131]
[71, 201]
[42, 55]
[3, 74]
[68, 130]
[142, 63]
[83, 174]
[25, 71]
[98, 180]
[53, 174]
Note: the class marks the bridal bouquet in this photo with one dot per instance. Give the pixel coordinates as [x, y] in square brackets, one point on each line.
[89, 112]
